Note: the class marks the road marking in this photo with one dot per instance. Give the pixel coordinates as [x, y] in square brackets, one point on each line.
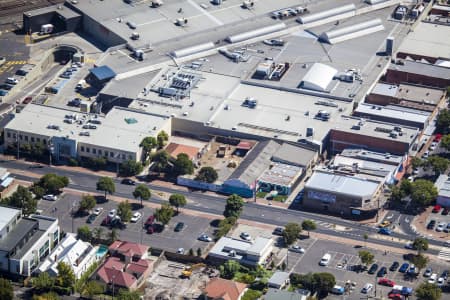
[123, 53]
[444, 254]
[204, 12]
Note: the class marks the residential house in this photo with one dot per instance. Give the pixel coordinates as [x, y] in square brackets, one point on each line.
[276, 294]
[278, 280]
[223, 289]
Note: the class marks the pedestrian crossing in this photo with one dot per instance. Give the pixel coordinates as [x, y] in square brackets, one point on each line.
[90, 60]
[444, 254]
[324, 224]
[16, 62]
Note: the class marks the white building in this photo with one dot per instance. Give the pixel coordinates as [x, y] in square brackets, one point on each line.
[250, 253]
[77, 254]
[24, 241]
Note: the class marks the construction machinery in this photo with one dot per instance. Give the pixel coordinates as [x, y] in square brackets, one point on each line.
[187, 272]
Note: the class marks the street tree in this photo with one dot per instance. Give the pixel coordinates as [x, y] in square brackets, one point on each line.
[91, 289]
[161, 160]
[423, 192]
[428, 291]
[224, 227]
[23, 199]
[443, 121]
[128, 295]
[406, 186]
[421, 244]
[416, 162]
[142, 192]
[87, 203]
[124, 211]
[234, 206]
[148, 144]
[183, 165]
[323, 282]
[366, 257]
[207, 174]
[97, 234]
[445, 142]
[42, 283]
[106, 185]
[84, 233]
[6, 289]
[66, 276]
[229, 269]
[438, 164]
[53, 183]
[309, 225]
[366, 237]
[130, 168]
[291, 232]
[397, 194]
[162, 138]
[177, 200]
[420, 261]
[113, 235]
[164, 214]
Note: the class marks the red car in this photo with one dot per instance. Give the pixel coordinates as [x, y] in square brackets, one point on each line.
[395, 296]
[386, 282]
[27, 100]
[149, 221]
[438, 137]
[106, 221]
[150, 229]
[436, 208]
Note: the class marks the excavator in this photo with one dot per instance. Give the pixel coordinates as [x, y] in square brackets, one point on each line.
[187, 272]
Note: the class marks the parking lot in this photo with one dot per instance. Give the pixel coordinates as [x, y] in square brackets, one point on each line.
[16, 53]
[168, 240]
[343, 256]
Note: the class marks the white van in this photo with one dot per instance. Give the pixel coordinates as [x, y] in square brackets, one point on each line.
[325, 260]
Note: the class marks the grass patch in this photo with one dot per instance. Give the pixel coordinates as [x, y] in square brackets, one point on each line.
[261, 195]
[280, 198]
[251, 295]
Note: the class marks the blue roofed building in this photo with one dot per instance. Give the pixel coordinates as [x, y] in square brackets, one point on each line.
[98, 76]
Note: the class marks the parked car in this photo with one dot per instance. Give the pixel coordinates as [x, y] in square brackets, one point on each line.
[384, 224]
[128, 181]
[428, 272]
[436, 208]
[205, 238]
[50, 197]
[149, 221]
[432, 278]
[441, 227]
[179, 227]
[373, 269]
[180, 251]
[6, 87]
[27, 100]
[11, 80]
[395, 296]
[431, 225]
[403, 268]
[76, 102]
[245, 236]
[136, 216]
[394, 266]
[278, 231]
[382, 272]
[385, 231]
[367, 288]
[297, 249]
[447, 228]
[98, 210]
[91, 218]
[440, 282]
[386, 282]
[445, 211]
[412, 271]
[445, 274]
[112, 213]
[426, 154]
[3, 93]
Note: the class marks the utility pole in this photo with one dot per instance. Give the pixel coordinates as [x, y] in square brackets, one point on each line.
[18, 144]
[142, 226]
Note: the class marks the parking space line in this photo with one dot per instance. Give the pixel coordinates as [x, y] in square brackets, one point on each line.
[300, 259]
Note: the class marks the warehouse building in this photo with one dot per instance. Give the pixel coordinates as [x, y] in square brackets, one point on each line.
[418, 73]
[61, 17]
[342, 194]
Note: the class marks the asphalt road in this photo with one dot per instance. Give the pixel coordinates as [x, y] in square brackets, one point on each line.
[215, 205]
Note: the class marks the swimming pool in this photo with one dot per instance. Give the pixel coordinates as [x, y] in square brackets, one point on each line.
[102, 250]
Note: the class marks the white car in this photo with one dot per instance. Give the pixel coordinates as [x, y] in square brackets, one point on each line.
[447, 244]
[136, 216]
[411, 178]
[367, 288]
[112, 213]
[426, 154]
[297, 249]
[11, 80]
[440, 227]
[98, 211]
[245, 236]
[180, 251]
[205, 238]
[50, 197]
[416, 172]
[440, 282]
[433, 278]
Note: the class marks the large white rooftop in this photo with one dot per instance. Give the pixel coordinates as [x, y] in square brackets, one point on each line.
[6, 214]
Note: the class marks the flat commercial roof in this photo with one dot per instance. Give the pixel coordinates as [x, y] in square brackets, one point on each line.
[17, 233]
[385, 89]
[420, 94]
[102, 73]
[281, 174]
[114, 131]
[443, 185]
[342, 184]
[385, 158]
[59, 9]
[365, 166]
[420, 68]
[6, 214]
[428, 39]
[394, 113]
[299, 156]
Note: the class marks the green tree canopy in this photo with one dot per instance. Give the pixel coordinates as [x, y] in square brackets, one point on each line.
[164, 214]
[42, 283]
[416, 162]
[423, 192]
[251, 294]
[106, 185]
[309, 225]
[6, 289]
[445, 142]
[183, 165]
[87, 203]
[124, 211]
[113, 235]
[148, 144]
[428, 291]
[291, 232]
[366, 257]
[91, 289]
[207, 174]
[66, 277]
[420, 261]
[161, 160]
[23, 199]
[397, 194]
[162, 138]
[437, 163]
[84, 233]
[421, 244]
[128, 295]
[443, 121]
[142, 192]
[130, 168]
[234, 206]
[53, 183]
[224, 227]
[229, 269]
[321, 283]
[47, 296]
[177, 200]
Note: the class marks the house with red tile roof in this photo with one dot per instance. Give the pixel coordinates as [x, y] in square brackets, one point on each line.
[126, 268]
[223, 289]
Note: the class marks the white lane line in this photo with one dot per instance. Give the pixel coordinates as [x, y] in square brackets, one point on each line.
[206, 13]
